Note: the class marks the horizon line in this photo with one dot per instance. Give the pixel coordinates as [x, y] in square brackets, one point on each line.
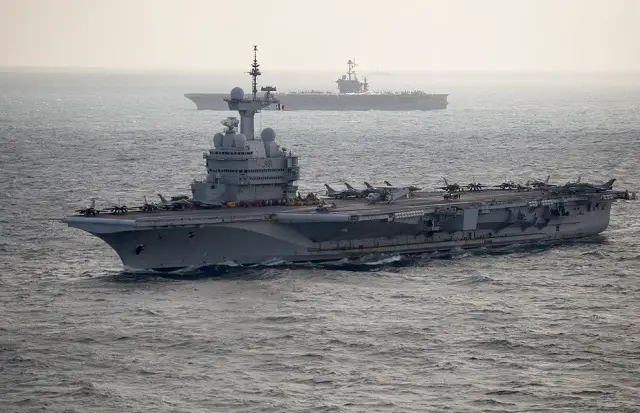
[226, 71]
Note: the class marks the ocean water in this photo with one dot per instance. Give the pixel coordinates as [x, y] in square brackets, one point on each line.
[550, 328]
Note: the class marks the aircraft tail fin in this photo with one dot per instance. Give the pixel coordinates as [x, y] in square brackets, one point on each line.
[329, 189]
[368, 185]
[163, 200]
[609, 183]
[349, 186]
[387, 183]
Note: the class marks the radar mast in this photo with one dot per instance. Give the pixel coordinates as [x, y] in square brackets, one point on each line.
[349, 83]
[249, 107]
[255, 72]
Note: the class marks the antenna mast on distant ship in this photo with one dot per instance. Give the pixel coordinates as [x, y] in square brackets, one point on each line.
[351, 64]
[255, 72]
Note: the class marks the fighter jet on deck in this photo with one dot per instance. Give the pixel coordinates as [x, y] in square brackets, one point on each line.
[450, 187]
[584, 187]
[332, 193]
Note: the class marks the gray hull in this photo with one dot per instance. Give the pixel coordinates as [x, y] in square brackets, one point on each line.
[387, 102]
[203, 238]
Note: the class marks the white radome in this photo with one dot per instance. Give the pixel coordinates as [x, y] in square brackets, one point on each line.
[268, 135]
[237, 93]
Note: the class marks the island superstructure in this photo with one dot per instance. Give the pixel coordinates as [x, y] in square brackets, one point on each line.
[248, 210]
[352, 94]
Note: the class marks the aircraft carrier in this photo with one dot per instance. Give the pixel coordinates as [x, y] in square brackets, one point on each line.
[352, 94]
[248, 210]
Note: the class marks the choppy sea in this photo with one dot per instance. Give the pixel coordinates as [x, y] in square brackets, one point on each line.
[552, 328]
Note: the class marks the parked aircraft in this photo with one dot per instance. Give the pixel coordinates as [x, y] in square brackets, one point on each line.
[450, 187]
[176, 202]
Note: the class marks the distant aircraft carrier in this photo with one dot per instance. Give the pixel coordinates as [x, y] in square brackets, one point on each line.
[352, 95]
[248, 211]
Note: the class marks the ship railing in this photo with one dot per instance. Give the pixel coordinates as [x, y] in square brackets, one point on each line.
[508, 204]
[408, 214]
[311, 92]
[190, 221]
[260, 99]
[229, 156]
[399, 93]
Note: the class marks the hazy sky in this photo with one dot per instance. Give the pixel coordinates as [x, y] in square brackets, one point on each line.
[415, 35]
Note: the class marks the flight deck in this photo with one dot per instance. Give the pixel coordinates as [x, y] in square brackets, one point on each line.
[351, 206]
